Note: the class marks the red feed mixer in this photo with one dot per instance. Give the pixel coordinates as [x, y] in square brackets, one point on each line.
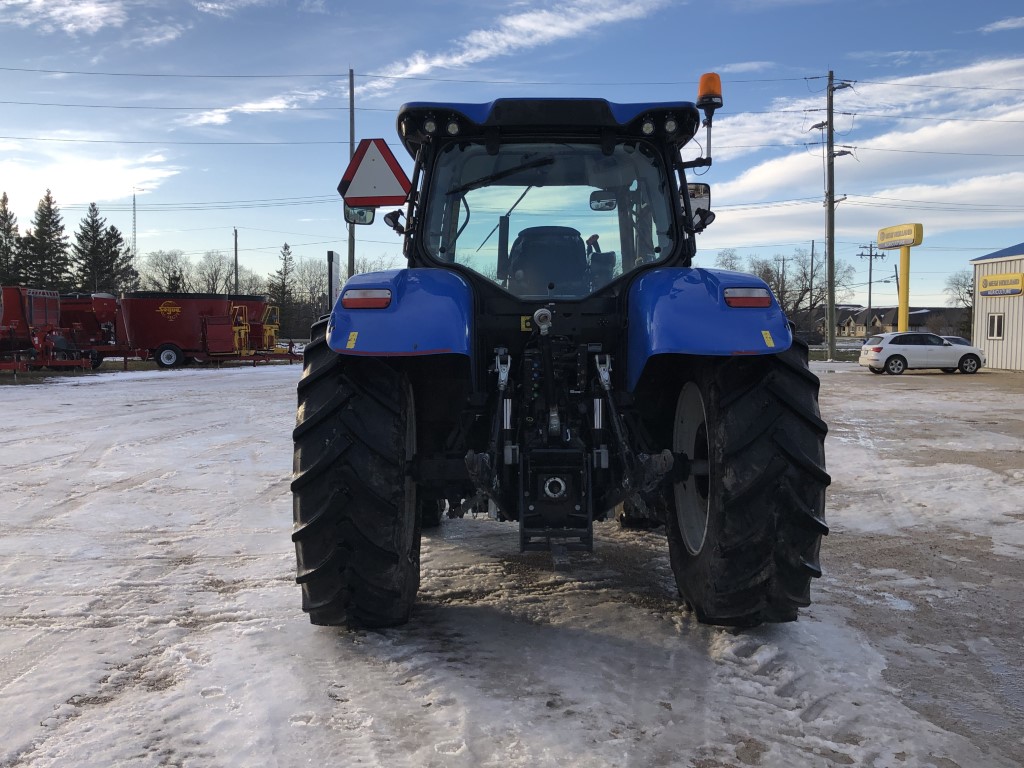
[31, 333]
[39, 328]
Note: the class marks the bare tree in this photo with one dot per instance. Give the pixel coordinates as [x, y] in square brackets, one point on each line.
[311, 284]
[167, 271]
[249, 283]
[375, 263]
[960, 289]
[727, 258]
[800, 285]
[214, 274]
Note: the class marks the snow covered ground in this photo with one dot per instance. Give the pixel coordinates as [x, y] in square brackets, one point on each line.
[148, 614]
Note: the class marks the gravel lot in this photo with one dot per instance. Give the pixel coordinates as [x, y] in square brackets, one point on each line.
[942, 603]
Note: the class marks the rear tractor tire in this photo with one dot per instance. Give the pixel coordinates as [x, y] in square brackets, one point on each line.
[357, 523]
[746, 512]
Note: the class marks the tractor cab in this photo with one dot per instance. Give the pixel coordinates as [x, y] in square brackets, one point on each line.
[549, 199]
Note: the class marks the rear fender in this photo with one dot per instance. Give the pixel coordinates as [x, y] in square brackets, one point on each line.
[430, 313]
[677, 310]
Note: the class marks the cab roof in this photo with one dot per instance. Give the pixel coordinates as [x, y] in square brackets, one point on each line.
[522, 118]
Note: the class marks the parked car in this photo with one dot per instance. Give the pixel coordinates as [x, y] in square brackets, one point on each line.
[893, 353]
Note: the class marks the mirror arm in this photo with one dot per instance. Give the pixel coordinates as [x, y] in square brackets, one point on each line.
[700, 162]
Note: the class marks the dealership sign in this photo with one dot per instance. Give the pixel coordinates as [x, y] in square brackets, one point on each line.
[900, 236]
[1011, 284]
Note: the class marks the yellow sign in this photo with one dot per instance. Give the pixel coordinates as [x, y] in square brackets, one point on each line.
[352, 337]
[1011, 284]
[169, 310]
[526, 323]
[900, 236]
[768, 338]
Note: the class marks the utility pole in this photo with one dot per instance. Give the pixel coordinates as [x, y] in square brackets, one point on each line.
[351, 154]
[830, 215]
[870, 256]
[135, 242]
[236, 260]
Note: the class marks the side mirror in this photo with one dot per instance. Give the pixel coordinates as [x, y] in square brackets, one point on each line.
[359, 215]
[700, 205]
[700, 196]
[602, 200]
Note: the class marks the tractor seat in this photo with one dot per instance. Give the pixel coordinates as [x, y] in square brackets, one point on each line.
[548, 261]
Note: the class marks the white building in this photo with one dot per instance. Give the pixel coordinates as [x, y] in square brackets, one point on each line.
[999, 307]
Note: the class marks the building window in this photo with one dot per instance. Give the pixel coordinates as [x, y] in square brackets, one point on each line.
[995, 326]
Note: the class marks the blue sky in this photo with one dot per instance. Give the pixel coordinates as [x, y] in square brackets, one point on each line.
[233, 113]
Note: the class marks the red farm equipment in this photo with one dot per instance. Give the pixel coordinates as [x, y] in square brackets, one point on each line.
[40, 328]
[173, 328]
[97, 325]
[32, 335]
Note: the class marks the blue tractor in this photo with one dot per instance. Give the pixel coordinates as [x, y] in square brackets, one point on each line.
[552, 355]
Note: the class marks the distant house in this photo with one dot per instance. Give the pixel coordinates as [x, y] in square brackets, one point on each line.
[999, 307]
[858, 322]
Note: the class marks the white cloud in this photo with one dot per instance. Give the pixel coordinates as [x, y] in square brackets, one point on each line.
[69, 16]
[741, 67]
[947, 138]
[156, 34]
[518, 32]
[225, 8]
[280, 103]
[76, 175]
[1015, 22]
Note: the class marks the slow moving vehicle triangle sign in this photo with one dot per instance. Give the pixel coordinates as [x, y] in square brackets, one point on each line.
[373, 177]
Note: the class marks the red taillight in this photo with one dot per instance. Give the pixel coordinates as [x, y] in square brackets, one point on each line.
[748, 297]
[366, 298]
[874, 349]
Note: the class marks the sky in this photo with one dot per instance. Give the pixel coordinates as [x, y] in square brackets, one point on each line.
[175, 636]
[217, 115]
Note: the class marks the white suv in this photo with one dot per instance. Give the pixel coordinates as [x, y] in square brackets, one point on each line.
[896, 352]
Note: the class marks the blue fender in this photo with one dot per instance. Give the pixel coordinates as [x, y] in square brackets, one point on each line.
[678, 310]
[430, 313]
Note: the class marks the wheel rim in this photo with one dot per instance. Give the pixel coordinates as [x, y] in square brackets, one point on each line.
[895, 366]
[970, 365]
[692, 495]
[168, 357]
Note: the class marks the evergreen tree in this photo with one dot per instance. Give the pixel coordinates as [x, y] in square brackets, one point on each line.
[9, 243]
[87, 251]
[120, 267]
[44, 258]
[281, 288]
[100, 257]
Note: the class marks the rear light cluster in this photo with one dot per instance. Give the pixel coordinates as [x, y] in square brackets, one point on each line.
[748, 297]
[874, 349]
[366, 298]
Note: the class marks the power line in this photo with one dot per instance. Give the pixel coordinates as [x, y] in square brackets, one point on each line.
[375, 76]
[946, 87]
[232, 108]
[175, 143]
